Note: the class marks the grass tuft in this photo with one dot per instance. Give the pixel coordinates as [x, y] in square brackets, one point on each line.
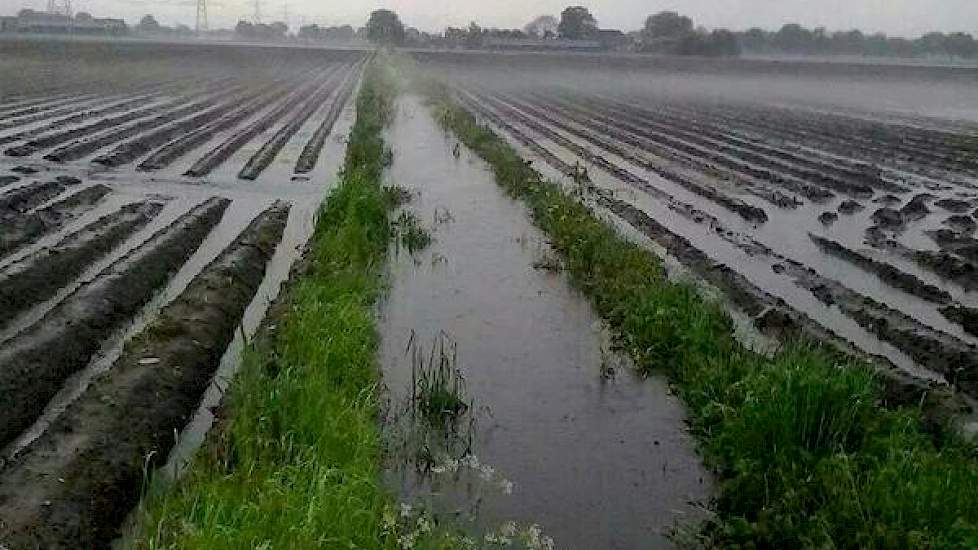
[437, 384]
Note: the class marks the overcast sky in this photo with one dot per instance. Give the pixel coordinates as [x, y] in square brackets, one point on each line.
[896, 17]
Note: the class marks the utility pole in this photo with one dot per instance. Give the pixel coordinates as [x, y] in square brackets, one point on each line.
[201, 16]
[257, 12]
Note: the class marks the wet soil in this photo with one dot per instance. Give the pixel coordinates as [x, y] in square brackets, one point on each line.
[39, 276]
[17, 230]
[599, 458]
[35, 364]
[94, 457]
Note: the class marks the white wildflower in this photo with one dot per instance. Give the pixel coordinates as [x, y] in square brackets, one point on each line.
[471, 461]
[506, 486]
[424, 526]
[406, 541]
[486, 472]
[405, 510]
[508, 529]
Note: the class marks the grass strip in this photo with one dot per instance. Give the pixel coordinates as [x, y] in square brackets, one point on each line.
[806, 456]
[296, 459]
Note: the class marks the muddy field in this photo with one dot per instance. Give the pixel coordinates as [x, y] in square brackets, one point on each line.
[834, 199]
[152, 199]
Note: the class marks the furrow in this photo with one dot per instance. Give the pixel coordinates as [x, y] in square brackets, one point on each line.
[264, 156]
[95, 455]
[310, 153]
[39, 276]
[34, 365]
[19, 230]
[222, 152]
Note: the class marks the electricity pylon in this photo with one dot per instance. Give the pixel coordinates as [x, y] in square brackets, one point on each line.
[201, 16]
[60, 7]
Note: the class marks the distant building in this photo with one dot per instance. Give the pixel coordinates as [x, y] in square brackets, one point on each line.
[7, 23]
[536, 44]
[614, 40]
[30, 21]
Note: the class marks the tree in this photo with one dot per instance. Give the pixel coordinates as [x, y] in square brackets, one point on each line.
[577, 23]
[148, 24]
[755, 40]
[666, 25]
[385, 27]
[542, 25]
[723, 43]
[794, 38]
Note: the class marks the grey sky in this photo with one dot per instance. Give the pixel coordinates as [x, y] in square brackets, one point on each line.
[897, 17]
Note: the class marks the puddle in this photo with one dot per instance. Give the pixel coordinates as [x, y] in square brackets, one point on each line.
[597, 461]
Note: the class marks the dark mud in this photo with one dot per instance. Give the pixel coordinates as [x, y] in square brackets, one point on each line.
[961, 223]
[310, 153]
[222, 152]
[955, 206]
[849, 207]
[17, 230]
[82, 148]
[31, 196]
[746, 211]
[39, 276]
[964, 316]
[94, 457]
[7, 180]
[164, 156]
[886, 272]
[267, 153]
[34, 365]
[954, 243]
[775, 318]
[129, 151]
[74, 119]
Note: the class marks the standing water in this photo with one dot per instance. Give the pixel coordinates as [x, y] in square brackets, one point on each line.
[566, 436]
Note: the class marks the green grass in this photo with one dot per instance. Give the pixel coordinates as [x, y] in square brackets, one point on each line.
[806, 456]
[437, 385]
[296, 461]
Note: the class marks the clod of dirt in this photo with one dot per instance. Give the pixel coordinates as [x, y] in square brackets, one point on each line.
[7, 180]
[954, 205]
[886, 272]
[964, 316]
[975, 214]
[888, 200]
[964, 224]
[828, 218]
[785, 201]
[68, 180]
[24, 170]
[888, 218]
[850, 207]
[775, 322]
[778, 268]
[917, 209]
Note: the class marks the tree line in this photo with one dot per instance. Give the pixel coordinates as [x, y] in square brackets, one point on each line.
[666, 32]
[796, 39]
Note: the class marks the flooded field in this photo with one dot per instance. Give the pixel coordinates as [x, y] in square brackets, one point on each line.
[153, 198]
[839, 198]
[565, 433]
